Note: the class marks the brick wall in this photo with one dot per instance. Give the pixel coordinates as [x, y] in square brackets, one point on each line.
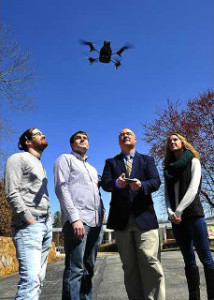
[8, 261]
[5, 213]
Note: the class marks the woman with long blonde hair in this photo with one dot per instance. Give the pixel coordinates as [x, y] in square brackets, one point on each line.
[182, 173]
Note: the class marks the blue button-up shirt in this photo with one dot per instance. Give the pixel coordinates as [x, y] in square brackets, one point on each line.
[76, 186]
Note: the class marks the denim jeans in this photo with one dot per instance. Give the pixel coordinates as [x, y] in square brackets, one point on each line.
[79, 262]
[194, 232]
[32, 246]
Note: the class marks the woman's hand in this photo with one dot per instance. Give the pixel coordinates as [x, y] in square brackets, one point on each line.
[175, 219]
[31, 221]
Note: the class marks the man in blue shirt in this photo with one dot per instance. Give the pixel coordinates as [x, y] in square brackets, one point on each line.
[76, 186]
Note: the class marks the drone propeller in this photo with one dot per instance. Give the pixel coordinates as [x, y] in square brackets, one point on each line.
[92, 60]
[126, 47]
[90, 44]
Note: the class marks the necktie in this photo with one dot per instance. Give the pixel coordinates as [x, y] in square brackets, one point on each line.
[128, 165]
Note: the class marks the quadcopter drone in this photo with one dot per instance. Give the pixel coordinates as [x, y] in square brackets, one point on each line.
[105, 53]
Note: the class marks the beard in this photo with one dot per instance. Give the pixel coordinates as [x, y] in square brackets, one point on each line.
[41, 146]
[44, 145]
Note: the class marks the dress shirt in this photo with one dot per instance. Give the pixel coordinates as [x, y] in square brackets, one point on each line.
[131, 157]
[76, 186]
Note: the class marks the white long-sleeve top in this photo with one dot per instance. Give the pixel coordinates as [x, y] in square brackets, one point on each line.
[190, 193]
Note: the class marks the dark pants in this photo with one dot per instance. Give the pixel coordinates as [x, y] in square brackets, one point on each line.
[79, 262]
[194, 231]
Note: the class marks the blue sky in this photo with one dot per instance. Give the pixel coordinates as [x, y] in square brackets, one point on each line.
[172, 59]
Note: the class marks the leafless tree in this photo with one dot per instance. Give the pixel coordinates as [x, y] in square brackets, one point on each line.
[16, 77]
[196, 122]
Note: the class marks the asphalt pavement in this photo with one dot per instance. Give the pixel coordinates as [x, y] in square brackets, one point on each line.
[108, 279]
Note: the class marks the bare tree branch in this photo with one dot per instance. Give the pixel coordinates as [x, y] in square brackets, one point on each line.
[16, 77]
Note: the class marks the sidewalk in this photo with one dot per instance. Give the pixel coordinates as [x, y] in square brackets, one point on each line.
[108, 280]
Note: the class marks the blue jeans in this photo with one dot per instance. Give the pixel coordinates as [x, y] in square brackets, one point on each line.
[32, 246]
[79, 262]
[189, 232]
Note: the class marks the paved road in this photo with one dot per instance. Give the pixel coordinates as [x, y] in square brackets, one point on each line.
[108, 280]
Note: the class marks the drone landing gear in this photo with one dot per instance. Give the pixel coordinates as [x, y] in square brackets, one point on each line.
[117, 63]
[92, 60]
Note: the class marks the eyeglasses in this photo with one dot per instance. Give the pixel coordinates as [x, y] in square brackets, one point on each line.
[37, 133]
[126, 133]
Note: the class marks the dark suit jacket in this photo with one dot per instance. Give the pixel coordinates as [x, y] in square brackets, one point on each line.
[125, 201]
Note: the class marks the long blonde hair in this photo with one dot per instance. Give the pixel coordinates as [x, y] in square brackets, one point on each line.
[169, 154]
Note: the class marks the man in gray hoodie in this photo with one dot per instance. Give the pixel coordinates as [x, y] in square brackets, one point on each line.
[26, 191]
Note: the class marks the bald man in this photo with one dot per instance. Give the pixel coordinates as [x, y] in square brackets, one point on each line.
[131, 178]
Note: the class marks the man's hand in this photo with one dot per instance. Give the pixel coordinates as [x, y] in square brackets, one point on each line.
[176, 219]
[121, 183]
[79, 229]
[31, 221]
[135, 186]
